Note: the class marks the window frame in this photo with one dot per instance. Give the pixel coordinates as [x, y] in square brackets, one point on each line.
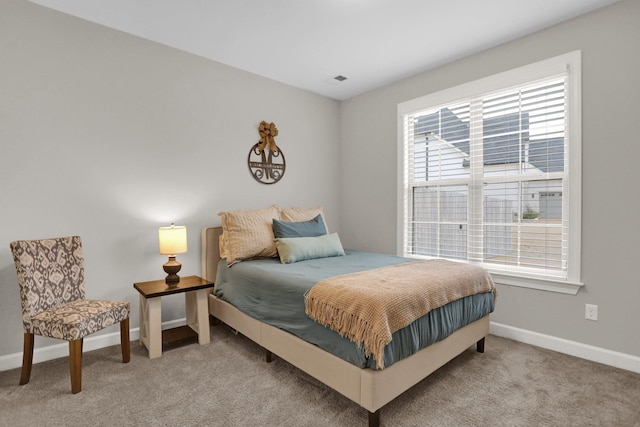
[569, 63]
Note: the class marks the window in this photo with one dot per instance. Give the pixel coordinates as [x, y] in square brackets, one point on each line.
[490, 174]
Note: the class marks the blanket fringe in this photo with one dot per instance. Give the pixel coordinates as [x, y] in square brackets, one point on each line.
[350, 326]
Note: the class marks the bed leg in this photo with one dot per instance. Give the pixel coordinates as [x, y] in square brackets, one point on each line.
[480, 345]
[268, 356]
[374, 419]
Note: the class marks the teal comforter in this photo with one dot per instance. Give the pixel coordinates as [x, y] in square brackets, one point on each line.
[273, 293]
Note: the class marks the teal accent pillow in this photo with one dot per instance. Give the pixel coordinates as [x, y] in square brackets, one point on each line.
[312, 228]
[294, 249]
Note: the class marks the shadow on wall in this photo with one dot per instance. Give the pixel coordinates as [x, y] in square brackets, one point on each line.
[10, 311]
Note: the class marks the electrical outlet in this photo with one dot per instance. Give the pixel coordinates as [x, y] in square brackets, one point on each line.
[591, 312]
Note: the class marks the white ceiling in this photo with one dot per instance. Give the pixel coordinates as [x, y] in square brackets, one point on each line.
[306, 43]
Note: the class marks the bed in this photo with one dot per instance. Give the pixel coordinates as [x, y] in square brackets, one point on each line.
[369, 388]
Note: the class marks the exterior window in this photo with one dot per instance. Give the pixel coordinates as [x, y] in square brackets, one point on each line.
[491, 171]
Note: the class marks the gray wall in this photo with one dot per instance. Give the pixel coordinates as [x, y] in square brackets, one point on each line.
[110, 136]
[609, 39]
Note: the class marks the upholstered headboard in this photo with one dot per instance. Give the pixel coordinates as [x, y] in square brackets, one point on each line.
[210, 252]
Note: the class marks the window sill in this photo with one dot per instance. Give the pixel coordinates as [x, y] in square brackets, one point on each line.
[563, 287]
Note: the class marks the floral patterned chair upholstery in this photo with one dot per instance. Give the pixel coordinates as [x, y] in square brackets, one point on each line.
[51, 278]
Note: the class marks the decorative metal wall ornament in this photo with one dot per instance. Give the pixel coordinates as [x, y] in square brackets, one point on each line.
[266, 160]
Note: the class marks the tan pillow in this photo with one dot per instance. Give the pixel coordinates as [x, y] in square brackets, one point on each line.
[221, 246]
[302, 214]
[249, 234]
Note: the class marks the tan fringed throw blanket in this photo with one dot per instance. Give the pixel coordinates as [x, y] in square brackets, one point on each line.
[368, 306]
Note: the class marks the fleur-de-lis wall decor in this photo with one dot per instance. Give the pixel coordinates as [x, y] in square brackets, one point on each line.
[266, 160]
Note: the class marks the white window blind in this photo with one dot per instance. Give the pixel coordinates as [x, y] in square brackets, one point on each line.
[486, 174]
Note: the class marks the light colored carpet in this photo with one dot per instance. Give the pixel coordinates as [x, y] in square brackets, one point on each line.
[228, 383]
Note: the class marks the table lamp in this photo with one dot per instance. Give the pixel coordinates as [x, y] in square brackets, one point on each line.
[173, 240]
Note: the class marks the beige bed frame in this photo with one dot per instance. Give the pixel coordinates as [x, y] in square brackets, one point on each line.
[371, 389]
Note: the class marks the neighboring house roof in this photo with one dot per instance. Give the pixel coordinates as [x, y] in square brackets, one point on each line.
[501, 139]
[547, 154]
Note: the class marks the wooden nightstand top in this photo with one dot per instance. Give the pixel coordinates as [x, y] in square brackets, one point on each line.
[158, 288]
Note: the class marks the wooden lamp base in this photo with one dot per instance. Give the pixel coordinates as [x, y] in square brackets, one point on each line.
[172, 267]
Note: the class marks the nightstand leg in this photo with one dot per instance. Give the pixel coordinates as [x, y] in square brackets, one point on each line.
[151, 326]
[198, 314]
[144, 333]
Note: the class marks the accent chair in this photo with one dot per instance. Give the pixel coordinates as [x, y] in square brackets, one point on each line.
[52, 292]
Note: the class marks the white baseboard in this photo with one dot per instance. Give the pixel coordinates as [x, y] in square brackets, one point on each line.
[12, 361]
[584, 351]
[573, 348]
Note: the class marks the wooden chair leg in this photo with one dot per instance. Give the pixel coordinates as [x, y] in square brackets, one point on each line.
[125, 342]
[75, 365]
[27, 358]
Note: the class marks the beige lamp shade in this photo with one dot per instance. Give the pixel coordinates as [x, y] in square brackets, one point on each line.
[173, 240]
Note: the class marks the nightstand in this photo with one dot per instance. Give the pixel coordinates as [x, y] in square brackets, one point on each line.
[195, 291]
